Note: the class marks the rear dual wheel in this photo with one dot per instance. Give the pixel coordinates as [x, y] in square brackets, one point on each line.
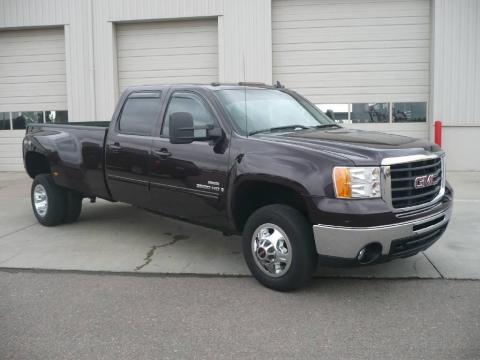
[52, 204]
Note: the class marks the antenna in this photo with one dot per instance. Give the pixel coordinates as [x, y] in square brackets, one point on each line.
[245, 93]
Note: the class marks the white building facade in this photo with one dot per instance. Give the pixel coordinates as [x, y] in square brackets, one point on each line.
[385, 65]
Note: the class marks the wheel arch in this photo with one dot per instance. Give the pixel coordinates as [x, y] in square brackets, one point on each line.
[36, 163]
[251, 194]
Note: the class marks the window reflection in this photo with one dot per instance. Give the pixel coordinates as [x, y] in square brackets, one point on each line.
[409, 112]
[4, 121]
[370, 113]
[21, 119]
[56, 116]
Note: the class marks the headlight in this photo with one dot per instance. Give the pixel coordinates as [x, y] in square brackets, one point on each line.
[356, 182]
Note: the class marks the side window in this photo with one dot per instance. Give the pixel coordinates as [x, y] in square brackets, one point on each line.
[139, 114]
[188, 103]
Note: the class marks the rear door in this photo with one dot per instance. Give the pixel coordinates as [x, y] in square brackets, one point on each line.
[189, 180]
[128, 147]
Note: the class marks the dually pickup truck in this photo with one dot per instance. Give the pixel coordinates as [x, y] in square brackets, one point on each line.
[250, 159]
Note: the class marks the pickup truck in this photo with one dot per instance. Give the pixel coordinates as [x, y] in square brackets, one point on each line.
[250, 159]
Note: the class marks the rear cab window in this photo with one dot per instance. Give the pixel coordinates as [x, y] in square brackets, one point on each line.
[140, 113]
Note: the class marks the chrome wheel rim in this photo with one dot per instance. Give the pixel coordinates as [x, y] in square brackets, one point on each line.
[40, 200]
[271, 250]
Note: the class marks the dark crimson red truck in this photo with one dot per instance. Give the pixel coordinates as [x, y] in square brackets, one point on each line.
[249, 159]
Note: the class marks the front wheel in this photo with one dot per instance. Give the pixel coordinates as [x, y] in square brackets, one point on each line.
[278, 247]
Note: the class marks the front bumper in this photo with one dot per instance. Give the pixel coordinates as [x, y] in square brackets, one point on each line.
[397, 240]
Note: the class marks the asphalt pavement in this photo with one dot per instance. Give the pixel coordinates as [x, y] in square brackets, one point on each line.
[78, 316]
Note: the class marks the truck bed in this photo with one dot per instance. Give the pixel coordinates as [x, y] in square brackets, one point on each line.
[76, 154]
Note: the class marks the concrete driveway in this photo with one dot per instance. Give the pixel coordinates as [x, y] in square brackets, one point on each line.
[120, 238]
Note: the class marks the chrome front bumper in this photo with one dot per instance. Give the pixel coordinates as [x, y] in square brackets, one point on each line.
[346, 242]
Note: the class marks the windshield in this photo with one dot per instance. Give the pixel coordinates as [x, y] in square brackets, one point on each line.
[265, 110]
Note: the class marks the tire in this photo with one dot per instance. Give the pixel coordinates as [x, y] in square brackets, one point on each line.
[53, 212]
[73, 207]
[295, 245]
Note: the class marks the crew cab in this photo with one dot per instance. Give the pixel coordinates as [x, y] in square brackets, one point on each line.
[261, 161]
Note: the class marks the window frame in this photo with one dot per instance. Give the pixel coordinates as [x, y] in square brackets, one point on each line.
[147, 94]
[189, 93]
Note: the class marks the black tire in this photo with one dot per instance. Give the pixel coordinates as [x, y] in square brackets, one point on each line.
[304, 257]
[56, 201]
[74, 206]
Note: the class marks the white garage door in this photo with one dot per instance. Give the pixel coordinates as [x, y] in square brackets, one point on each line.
[32, 86]
[167, 52]
[366, 60]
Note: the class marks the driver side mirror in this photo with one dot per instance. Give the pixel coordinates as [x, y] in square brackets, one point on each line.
[181, 129]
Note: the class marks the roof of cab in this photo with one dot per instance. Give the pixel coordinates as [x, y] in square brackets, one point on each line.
[211, 86]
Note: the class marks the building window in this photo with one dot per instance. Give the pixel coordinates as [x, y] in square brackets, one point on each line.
[370, 113]
[21, 119]
[409, 112]
[4, 121]
[18, 120]
[56, 117]
[397, 112]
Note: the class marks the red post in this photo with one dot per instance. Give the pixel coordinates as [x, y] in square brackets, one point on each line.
[438, 133]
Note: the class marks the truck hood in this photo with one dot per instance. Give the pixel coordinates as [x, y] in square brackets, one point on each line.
[361, 147]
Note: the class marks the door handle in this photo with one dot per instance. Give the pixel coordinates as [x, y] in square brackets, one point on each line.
[163, 153]
[115, 147]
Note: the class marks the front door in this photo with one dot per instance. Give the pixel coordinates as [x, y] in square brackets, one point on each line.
[189, 180]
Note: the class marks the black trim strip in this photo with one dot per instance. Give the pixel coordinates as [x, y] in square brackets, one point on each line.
[128, 180]
[202, 193]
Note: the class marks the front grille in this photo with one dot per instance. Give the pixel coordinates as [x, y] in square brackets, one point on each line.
[404, 193]
[412, 245]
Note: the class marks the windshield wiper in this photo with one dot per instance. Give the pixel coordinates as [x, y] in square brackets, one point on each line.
[288, 127]
[323, 126]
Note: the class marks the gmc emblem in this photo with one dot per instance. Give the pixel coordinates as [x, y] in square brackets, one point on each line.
[424, 181]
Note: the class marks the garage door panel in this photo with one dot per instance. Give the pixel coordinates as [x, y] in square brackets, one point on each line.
[346, 45]
[166, 26]
[351, 68]
[347, 90]
[370, 33]
[348, 22]
[33, 103]
[165, 73]
[167, 52]
[180, 61]
[364, 98]
[40, 68]
[33, 36]
[31, 59]
[290, 59]
[32, 79]
[354, 51]
[354, 9]
[168, 41]
[35, 89]
[6, 150]
[358, 75]
[148, 52]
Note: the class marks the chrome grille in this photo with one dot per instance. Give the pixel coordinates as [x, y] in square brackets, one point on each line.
[404, 193]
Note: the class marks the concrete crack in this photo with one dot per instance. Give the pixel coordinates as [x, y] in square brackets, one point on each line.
[15, 231]
[151, 252]
[431, 263]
